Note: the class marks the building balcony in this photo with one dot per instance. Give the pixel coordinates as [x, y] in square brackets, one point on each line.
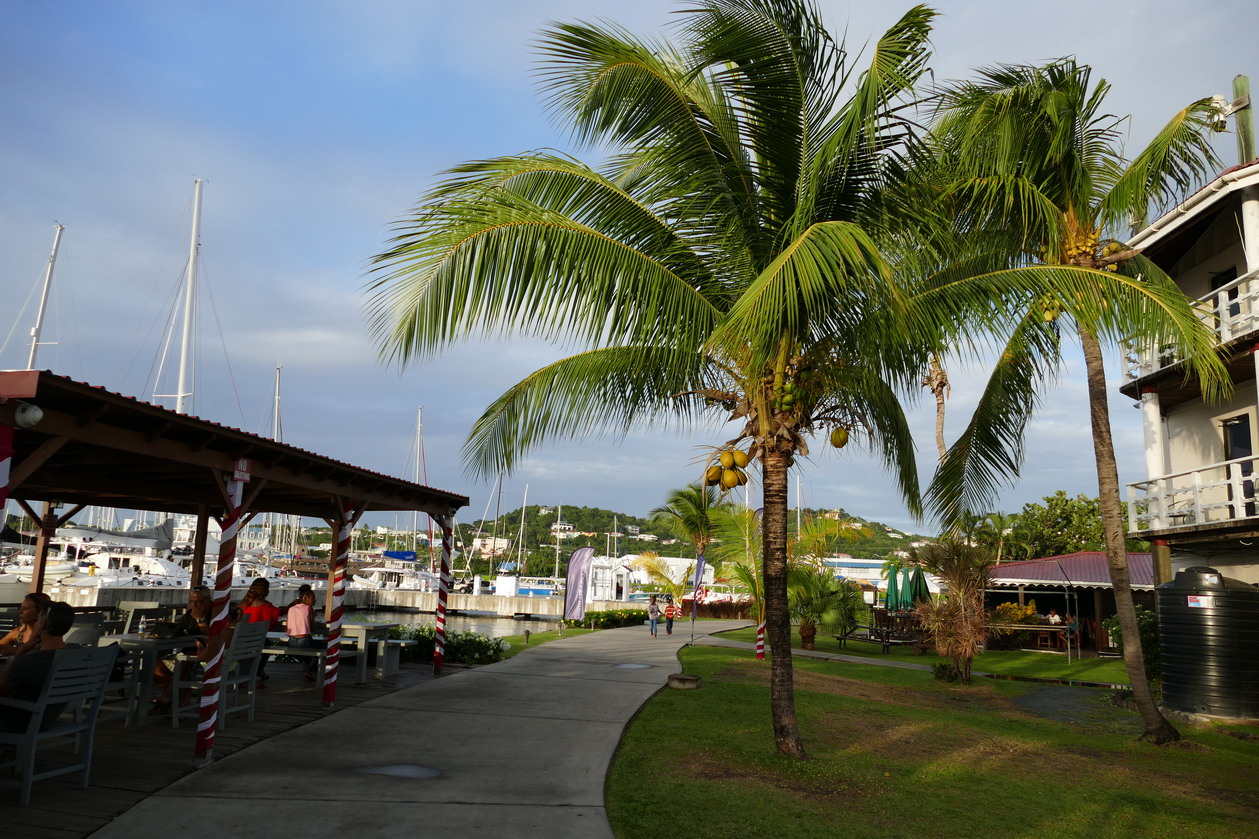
[1233, 310]
[1219, 494]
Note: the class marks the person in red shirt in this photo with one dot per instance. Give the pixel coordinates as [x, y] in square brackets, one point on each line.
[256, 608]
[671, 611]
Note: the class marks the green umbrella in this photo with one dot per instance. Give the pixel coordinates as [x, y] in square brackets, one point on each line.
[893, 597]
[918, 587]
[907, 597]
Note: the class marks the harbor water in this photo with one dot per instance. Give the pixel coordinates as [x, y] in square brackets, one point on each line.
[491, 625]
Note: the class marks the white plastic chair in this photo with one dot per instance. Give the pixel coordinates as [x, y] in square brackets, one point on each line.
[75, 682]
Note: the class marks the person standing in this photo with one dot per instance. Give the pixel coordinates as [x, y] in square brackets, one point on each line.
[653, 615]
[672, 611]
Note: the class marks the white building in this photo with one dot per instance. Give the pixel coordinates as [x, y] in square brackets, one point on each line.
[1197, 504]
[491, 545]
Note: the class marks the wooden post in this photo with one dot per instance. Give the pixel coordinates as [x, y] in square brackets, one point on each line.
[200, 540]
[1161, 554]
[443, 592]
[207, 718]
[47, 530]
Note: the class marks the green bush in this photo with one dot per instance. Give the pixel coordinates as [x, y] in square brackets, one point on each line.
[461, 647]
[611, 619]
[1147, 624]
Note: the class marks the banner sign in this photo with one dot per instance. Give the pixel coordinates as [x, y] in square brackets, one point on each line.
[578, 578]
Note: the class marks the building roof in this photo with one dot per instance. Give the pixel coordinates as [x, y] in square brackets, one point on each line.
[95, 447]
[1084, 569]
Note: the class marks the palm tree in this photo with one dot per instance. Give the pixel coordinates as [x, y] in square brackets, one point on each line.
[687, 514]
[819, 601]
[1035, 160]
[737, 550]
[956, 619]
[663, 576]
[727, 256]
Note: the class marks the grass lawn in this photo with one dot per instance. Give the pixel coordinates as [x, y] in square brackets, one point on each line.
[1006, 662]
[894, 753]
[518, 645]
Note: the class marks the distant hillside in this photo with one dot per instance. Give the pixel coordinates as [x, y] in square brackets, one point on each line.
[880, 540]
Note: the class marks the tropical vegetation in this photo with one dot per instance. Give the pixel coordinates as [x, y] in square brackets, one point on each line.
[1035, 166]
[956, 619]
[770, 242]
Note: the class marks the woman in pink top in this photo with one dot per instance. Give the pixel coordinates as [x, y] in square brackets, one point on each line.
[298, 624]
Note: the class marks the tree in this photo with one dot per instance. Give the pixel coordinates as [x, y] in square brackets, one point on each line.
[687, 515]
[1061, 525]
[819, 601]
[663, 576]
[1035, 163]
[732, 255]
[956, 619]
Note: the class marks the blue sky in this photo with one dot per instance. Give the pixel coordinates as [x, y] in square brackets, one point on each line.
[317, 124]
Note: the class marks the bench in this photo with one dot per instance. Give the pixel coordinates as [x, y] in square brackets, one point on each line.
[347, 653]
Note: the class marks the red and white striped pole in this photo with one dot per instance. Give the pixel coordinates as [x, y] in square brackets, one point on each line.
[207, 721]
[443, 592]
[760, 641]
[332, 661]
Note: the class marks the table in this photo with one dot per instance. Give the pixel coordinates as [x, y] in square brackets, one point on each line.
[365, 633]
[1046, 629]
[360, 663]
[151, 649]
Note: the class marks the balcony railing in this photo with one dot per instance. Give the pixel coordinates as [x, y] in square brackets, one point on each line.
[1233, 310]
[1216, 494]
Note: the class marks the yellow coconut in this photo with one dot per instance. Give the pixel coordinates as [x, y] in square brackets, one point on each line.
[713, 475]
[729, 478]
[740, 458]
[727, 460]
[839, 437]
[743, 476]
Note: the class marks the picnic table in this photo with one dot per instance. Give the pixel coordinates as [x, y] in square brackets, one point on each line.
[893, 629]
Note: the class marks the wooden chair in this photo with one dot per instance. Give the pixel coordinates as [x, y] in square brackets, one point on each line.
[76, 682]
[238, 684]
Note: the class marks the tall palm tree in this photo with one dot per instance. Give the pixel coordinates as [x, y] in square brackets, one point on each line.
[1035, 161]
[726, 257]
[687, 514]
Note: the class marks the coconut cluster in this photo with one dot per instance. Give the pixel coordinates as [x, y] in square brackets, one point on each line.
[728, 471]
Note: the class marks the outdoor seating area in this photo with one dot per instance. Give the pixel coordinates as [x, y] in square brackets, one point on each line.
[889, 629]
[102, 676]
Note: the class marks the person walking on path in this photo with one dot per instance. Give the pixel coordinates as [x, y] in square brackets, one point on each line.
[672, 611]
[653, 615]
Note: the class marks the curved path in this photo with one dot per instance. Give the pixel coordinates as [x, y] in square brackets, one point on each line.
[519, 749]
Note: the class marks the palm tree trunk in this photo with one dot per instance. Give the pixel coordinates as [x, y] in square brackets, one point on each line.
[1157, 729]
[782, 698]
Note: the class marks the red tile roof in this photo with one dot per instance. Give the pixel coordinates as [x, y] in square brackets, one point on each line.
[1085, 569]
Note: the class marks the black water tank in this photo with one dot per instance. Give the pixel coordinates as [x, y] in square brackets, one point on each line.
[1209, 638]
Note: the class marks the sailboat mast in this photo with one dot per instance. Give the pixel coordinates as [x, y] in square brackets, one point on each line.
[520, 539]
[182, 392]
[558, 518]
[43, 297]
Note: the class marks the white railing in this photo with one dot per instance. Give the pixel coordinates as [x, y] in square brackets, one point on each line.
[1232, 309]
[1215, 494]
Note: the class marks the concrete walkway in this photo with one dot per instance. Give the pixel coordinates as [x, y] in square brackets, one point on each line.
[516, 749]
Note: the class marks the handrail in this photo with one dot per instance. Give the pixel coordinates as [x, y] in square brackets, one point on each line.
[1195, 497]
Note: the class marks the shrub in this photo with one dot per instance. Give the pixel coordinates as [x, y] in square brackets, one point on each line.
[461, 647]
[1007, 639]
[1147, 624]
[611, 619]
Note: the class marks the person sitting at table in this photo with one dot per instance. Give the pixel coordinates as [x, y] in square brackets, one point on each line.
[298, 623]
[24, 675]
[256, 608]
[194, 621]
[1073, 626]
[1054, 618]
[27, 615]
[205, 650]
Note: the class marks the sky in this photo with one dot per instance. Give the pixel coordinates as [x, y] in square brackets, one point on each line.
[317, 124]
